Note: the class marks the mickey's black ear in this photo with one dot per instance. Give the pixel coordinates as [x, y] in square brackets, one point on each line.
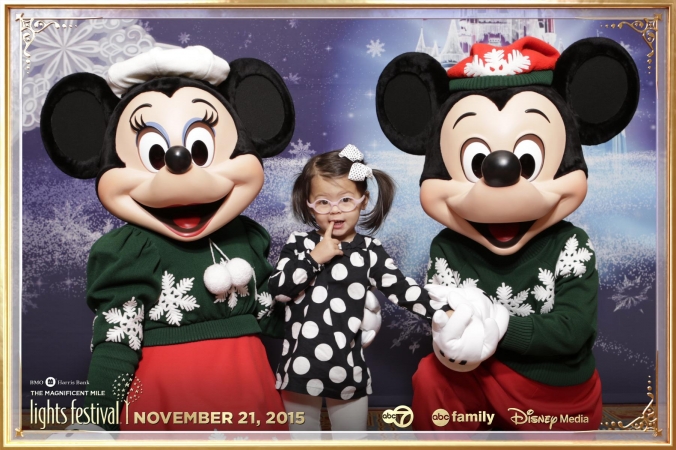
[262, 102]
[410, 91]
[599, 81]
[73, 123]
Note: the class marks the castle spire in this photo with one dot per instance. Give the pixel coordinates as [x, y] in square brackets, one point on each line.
[421, 42]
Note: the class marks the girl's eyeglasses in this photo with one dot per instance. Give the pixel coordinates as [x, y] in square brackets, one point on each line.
[345, 204]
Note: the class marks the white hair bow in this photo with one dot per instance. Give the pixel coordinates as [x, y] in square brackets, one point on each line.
[358, 171]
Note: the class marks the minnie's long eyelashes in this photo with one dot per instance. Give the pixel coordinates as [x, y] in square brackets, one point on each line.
[212, 120]
[136, 125]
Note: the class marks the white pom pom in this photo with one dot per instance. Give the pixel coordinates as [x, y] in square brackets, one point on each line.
[217, 279]
[240, 271]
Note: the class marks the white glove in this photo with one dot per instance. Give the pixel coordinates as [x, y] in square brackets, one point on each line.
[95, 433]
[370, 325]
[472, 333]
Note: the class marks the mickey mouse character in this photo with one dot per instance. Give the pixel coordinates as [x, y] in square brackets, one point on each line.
[501, 133]
[180, 292]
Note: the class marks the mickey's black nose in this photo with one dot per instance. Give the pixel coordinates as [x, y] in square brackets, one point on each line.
[501, 169]
[178, 159]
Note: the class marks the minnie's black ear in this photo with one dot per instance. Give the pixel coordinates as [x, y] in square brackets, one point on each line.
[73, 123]
[410, 91]
[262, 102]
[599, 81]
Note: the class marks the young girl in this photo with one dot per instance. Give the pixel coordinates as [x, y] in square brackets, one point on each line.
[326, 273]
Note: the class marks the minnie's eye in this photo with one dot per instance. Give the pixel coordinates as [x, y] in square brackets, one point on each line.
[200, 142]
[473, 155]
[151, 149]
[345, 200]
[530, 151]
[322, 202]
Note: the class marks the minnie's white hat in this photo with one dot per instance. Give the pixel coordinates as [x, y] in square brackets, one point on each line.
[193, 62]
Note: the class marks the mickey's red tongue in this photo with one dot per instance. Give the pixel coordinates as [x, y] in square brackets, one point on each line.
[186, 222]
[504, 232]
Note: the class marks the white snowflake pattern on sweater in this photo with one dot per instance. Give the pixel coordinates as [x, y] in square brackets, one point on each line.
[173, 299]
[572, 261]
[129, 324]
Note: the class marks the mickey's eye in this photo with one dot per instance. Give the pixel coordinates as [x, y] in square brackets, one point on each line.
[474, 152]
[200, 142]
[151, 149]
[530, 151]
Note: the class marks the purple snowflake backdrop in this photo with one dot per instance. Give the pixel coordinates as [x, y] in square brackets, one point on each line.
[331, 68]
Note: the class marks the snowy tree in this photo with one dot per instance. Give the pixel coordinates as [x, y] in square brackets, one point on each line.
[129, 324]
[375, 48]
[174, 299]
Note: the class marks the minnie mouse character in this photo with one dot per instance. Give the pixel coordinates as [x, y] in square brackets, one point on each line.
[175, 140]
[501, 133]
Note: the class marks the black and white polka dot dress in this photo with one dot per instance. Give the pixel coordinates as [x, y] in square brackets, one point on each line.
[322, 353]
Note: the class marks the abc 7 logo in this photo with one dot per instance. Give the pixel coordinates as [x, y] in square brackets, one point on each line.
[401, 416]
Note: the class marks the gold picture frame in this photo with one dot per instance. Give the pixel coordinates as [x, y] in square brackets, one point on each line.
[652, 20]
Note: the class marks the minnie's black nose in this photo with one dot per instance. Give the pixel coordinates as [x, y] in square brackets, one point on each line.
[501, 169]
[178, 159]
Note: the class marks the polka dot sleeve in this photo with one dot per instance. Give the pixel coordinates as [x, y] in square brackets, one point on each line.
[295, 269]
[399, 289]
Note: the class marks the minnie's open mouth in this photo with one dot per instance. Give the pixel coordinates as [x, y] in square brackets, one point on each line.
[186, 221]
[503, 235]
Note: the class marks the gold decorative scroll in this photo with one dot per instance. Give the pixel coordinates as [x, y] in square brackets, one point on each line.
[647, 421]
[648, 29]
[31, 27]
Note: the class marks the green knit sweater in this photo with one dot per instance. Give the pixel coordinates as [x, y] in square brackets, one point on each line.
[550, 289]
[147, 289]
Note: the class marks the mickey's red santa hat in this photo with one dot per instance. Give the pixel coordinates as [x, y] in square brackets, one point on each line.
[527, 61]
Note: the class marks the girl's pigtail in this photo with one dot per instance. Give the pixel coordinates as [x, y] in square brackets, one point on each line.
[374, 219]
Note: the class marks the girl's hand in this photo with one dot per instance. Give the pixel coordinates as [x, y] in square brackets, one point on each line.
[327, 248]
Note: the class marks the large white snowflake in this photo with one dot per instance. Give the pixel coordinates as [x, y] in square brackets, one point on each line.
[300, 150]
[129, 324]
[93, 46]
[375, 48]
[183, 38]
[545, 293]
[266, 300]
[630, 293]
[293, 23]
[572, 259]
[515, 304]
[293, 78]
[448, 277]
[174, 299]
[495, 64]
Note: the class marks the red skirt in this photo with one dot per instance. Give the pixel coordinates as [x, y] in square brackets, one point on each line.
[218, 384]
[493, 396]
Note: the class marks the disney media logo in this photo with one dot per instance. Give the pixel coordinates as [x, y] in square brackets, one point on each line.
[401, 416]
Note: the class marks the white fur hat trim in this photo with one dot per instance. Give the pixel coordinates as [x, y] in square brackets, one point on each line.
[193, 62]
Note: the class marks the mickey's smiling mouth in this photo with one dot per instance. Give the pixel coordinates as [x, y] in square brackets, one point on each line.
[503, 235]
[186, 221]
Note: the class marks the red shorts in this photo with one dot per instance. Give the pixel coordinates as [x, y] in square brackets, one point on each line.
[495, 393]
[214, 376]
